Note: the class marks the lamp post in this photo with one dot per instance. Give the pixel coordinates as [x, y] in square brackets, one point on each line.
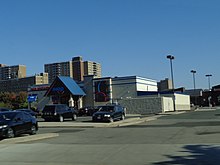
[170, 57]
[194, 83]
[209, 75]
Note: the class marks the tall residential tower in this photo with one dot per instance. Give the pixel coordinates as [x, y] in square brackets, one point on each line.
[77, 69]
[12, 72]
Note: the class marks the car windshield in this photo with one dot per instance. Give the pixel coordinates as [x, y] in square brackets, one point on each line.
[6, 116]
[106, 108]
[49, 108]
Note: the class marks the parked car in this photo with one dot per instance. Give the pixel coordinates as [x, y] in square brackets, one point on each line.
[32, 113]
[4, 109]
[109, 113]
[58, 112]
[87, 111]
[14, 123]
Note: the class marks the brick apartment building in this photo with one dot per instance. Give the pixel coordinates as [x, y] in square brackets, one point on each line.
[76, 68]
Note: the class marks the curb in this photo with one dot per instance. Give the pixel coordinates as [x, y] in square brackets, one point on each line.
[29, 138]
[129, 121]
[88, 125]
[122, 123]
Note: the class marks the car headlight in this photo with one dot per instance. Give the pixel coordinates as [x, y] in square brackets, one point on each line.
[3, 126]
[107, 115]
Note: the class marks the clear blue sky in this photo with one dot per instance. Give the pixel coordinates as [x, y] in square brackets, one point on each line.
[128, 37]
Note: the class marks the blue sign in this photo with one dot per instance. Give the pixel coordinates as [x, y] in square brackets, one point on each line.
[32, 98]
[58, 89]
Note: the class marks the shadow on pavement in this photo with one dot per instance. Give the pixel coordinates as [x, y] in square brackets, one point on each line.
[197, 155]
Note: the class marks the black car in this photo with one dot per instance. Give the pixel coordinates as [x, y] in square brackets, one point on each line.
[14, 123]
[4, 109]
[58, 112]
[109, 113]
[32, 113]
[87, 111]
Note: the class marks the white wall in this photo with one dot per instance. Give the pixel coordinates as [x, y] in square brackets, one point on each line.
[167, 104]
[182, 102]
[144, 84]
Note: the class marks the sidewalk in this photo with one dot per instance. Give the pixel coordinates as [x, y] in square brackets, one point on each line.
[130, 120]
[88, 124]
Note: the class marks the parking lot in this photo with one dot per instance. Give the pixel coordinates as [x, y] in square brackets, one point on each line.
[177, 138]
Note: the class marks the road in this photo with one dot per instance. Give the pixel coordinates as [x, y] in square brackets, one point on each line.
[186, 139]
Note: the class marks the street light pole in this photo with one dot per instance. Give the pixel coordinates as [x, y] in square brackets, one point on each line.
[170, 57]
[209, 75]
[194, 83]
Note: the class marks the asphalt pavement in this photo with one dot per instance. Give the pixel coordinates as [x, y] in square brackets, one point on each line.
[174, 138]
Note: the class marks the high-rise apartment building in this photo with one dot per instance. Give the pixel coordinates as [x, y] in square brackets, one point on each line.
[12, 72]
[92, 68]
[77, 69]
[59, 69]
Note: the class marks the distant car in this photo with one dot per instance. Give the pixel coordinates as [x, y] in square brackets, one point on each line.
[4, 109]
[109, 113]
[58, 112]
[14, 123]
[87, 111]
[32, 113]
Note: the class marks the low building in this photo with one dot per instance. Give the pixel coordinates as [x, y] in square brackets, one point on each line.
[109, 90]
[22, 84]
[137, 94]
[123, 90]
[64, 90]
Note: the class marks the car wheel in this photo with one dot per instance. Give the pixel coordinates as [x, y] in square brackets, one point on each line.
[61, 118]
[111, 120]
[33, 130]
[122, 117]
[10, 133]
[74, 117]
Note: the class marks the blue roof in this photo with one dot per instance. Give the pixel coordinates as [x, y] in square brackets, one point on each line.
[72, 86]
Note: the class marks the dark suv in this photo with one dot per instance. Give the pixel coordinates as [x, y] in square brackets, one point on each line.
[109, 113]
[58, 112]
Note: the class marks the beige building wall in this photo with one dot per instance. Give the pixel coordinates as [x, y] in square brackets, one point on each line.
[92, 68]
[41, 79]
[165, 85]
[21, 71]
[182, 102]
